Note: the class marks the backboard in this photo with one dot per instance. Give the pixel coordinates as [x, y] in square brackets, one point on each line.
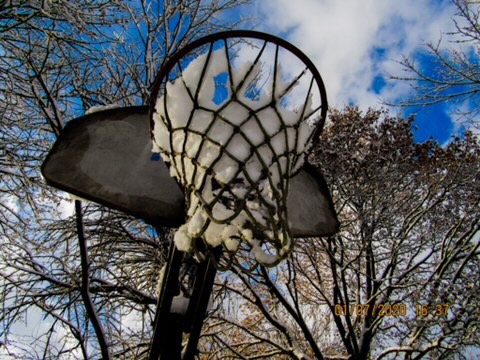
[106, 157]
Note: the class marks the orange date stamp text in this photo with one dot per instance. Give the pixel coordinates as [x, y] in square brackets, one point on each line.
[391, 310]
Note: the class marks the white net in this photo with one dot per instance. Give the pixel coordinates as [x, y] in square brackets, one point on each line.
[233, 130]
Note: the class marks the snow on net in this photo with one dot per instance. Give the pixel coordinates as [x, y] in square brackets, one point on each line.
[233, 131]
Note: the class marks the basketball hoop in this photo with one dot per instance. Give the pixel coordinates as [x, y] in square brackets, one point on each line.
[234, 115]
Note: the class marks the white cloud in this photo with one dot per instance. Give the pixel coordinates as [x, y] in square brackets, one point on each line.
[462, 118]
[66, 208]
[341, 38]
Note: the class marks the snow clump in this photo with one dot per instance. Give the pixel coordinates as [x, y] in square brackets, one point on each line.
[232, 157]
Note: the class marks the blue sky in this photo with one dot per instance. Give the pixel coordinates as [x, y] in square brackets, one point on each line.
[357, 44]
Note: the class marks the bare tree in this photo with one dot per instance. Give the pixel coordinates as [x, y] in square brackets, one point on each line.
[454, 74]
[400, 279]
[409, 214]
[92, 276]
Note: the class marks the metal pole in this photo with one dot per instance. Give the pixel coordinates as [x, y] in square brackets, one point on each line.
[201, 295]
[167, 331]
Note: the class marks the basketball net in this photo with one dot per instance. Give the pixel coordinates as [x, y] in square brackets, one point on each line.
[234, 125]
